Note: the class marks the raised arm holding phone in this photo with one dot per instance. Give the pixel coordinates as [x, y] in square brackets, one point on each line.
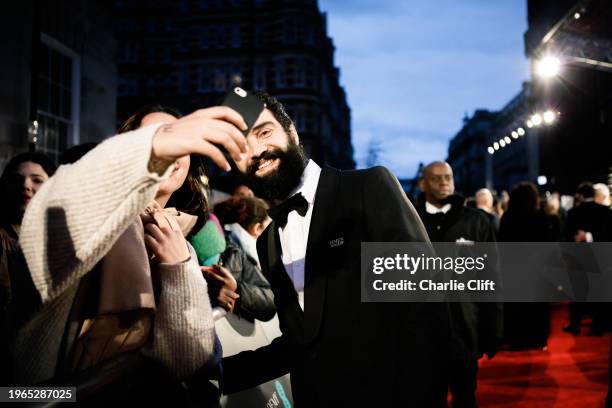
[75, 221]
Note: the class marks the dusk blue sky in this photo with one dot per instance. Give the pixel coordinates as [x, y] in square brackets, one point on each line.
[413, 68]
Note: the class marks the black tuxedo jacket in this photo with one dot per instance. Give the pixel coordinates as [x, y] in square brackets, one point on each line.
[340, 351]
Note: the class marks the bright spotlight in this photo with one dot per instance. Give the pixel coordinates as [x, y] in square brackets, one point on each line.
[515, 135]
[521, 131]
[491, 150]
[536, 119]
[548, 66]
[542, 180]
[529, 123]
[576, 16]
[507, 140]
[549, 117]
[502, 142]
[496, 146]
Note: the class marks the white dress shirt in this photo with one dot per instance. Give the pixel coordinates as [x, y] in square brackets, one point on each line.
[294, 236]
[432, 209]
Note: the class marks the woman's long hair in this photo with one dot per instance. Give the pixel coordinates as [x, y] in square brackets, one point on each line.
[524, 199]
[191, 196]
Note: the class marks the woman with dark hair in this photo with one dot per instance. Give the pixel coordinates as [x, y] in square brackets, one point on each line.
[190, 197]
[527, 325]
[22, 177]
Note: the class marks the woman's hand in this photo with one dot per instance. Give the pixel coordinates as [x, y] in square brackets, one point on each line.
[227, 294]
[164, 238]
[201, 133]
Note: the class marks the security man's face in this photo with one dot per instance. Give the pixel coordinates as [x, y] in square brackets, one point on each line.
[437, 183]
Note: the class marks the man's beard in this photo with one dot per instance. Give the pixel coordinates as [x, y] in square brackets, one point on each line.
[280, 182]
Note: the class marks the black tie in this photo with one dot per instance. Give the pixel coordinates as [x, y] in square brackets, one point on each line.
[280, 212]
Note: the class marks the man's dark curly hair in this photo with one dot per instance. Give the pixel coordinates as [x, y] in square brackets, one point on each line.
[277, 109]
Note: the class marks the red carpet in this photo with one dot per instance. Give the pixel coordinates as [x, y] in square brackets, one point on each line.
[573, 372]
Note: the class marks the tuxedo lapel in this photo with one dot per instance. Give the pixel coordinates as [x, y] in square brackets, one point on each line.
[271, 247]
[315, 273]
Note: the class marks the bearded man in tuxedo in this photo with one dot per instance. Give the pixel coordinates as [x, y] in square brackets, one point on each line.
[338, 350]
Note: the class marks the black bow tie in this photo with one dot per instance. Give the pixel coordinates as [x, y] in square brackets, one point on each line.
[280, 212]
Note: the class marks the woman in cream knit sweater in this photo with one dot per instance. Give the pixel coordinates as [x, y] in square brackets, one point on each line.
[79, 215]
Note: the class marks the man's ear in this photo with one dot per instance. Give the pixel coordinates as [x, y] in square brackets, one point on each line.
[422, 184]
[294, 134]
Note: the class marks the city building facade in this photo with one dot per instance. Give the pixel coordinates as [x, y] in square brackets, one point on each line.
[59, 88]
[556, 131]
[188, 54]
[467, 152]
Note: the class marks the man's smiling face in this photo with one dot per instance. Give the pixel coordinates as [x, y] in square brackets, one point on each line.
[274, 163]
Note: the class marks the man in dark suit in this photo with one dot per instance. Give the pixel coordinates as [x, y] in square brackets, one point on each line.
[339, 351]
[448, 219]
[588, 221]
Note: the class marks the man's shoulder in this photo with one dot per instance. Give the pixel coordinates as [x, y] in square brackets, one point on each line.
[364, 175]
[477, 213]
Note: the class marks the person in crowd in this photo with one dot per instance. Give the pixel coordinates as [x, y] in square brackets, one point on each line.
[243, 191]
[244, 219]
[448, 219]
[101, 209]
[553, 209]
[484, 202]
[588, 221]
[23, 175]
[601, 194]
[527, 325]
[339, 350]
[189, 205]
[501, 204]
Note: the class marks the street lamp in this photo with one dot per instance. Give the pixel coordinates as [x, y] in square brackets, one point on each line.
[529, 123]
[515, 135]
[491, 150]
[521, 131]
[549, 117]
[507, 140]
[536, 119]
[496, 146]
[548, 66]
[502, 142]
[542, 180]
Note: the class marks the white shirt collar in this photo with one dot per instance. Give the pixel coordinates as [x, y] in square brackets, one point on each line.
[432, 209]
[310, 180]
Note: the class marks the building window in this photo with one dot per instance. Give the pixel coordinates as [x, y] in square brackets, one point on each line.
[236, 36]
[259, 76]
[281, 73]
[299, 119]
[258, 36]
[58, 97]
[220, 81]
[204, 39]
[205, 79]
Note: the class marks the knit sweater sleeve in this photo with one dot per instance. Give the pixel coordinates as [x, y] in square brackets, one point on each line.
[79, 213]
[184, 330]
